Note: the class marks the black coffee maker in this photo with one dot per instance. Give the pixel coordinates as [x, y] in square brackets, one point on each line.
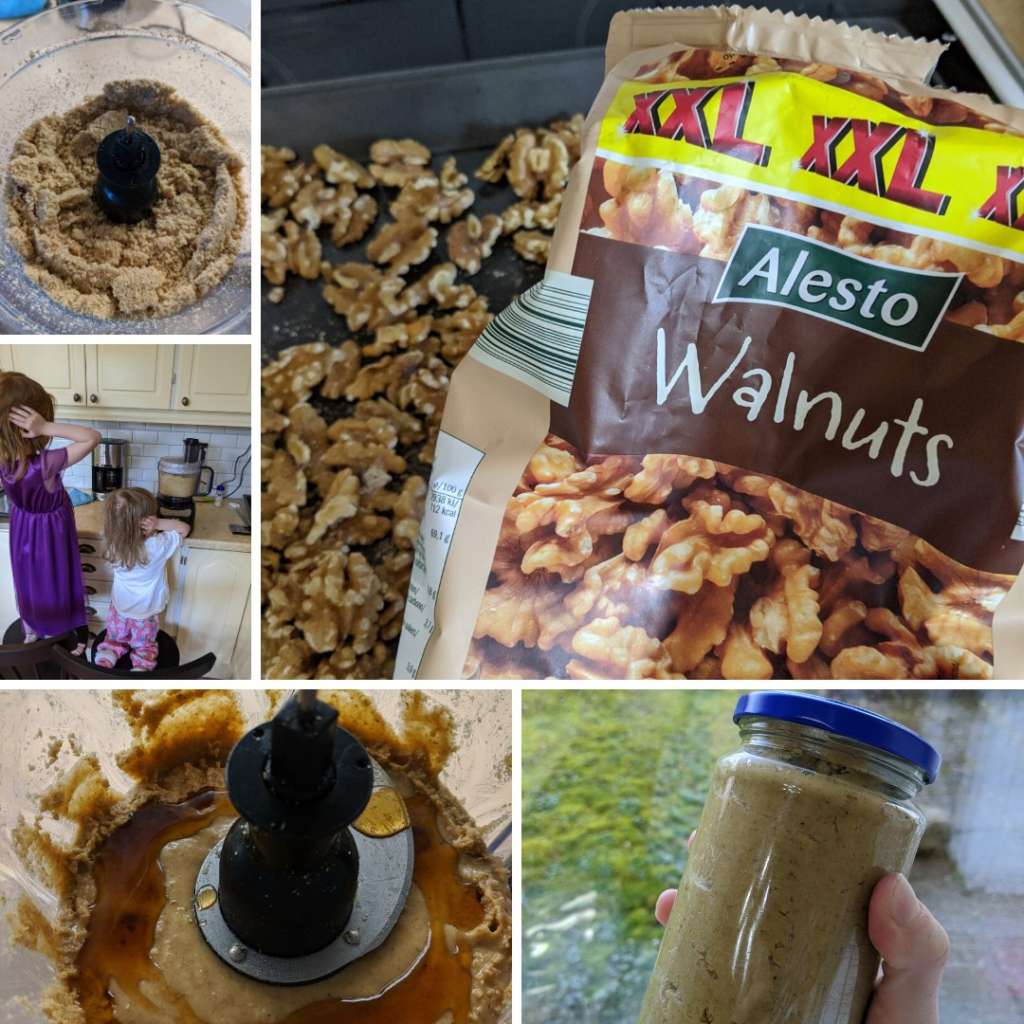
[109, 459]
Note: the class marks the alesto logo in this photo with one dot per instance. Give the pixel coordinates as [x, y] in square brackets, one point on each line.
[894, 304]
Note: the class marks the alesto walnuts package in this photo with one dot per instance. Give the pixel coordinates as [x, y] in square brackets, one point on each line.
[764, 417]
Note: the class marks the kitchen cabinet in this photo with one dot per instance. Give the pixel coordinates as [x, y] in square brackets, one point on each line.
[213, 377]
[98, 578]
[175, 581]
[190, 385]
[60, 369]
[208, 609]
[241, 662]
[129, 376]
[212, 588]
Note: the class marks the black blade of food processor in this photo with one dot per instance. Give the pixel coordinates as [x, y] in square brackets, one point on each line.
[294, 891]
[127, 161]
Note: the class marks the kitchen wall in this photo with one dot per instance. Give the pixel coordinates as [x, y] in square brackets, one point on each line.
[147, 443]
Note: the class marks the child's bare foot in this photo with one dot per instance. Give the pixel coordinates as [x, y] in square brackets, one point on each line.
[78, 651]
[29, 636]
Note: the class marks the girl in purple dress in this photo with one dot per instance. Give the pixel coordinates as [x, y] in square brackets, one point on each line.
[44, 543]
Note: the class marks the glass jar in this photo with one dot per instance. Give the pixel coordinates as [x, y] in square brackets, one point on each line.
[771, 922]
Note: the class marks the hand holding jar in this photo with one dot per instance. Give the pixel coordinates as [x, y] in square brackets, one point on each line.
[913, 946]
[794, 888]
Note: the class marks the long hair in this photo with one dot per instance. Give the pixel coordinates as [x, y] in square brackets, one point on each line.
[16, 450]
[124, 541]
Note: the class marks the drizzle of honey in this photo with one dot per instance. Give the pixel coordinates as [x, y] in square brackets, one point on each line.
[131, 896]
[384, 815]
[440, 982]
[206, 897]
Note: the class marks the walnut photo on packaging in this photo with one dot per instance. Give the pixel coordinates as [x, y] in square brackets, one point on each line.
[762, 417]
[672, 565]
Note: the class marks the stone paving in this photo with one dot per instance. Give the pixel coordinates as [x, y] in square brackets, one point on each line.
[984, 980]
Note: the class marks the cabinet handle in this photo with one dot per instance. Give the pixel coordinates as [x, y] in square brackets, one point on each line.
[86, 549]
[93, 399]
[91, 590]
[184, 401]
[76, 397]
[88, 567]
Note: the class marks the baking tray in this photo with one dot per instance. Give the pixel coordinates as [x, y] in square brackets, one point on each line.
[460, 110]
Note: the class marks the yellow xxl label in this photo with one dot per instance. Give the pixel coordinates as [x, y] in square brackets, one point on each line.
[790, 135]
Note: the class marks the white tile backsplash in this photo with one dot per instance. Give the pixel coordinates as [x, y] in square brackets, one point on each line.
[149, 443]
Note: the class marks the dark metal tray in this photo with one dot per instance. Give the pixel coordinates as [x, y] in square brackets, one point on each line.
[460, 110]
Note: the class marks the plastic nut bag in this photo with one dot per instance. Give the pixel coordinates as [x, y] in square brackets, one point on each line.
[763, 417]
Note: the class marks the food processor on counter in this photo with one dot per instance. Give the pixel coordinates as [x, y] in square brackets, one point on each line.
[181, 481]
[60, 57]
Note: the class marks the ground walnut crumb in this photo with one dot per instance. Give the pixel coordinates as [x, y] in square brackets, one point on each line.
[96, 267]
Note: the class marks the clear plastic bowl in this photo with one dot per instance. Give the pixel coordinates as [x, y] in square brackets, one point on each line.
[57, 59]
[477, 773]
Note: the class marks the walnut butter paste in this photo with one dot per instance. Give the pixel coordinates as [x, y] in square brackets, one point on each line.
[771, 922]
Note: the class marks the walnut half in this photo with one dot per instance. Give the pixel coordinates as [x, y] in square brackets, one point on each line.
[472, 240]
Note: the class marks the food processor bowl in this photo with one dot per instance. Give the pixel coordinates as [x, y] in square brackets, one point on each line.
[54, 61]
[478, 773]
[177, 478]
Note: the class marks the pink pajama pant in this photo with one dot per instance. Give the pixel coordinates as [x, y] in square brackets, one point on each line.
[137, 636]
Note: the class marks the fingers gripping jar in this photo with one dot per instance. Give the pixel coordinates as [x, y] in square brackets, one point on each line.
[771, 922]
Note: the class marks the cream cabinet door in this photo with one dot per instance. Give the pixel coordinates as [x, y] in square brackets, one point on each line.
[214, 588]
[59, 368]
[241, 663]
[213, 378]
[8, 604]
[129, 376]
[175, 582]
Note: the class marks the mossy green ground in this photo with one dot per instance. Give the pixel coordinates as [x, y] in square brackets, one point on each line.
[613, 783]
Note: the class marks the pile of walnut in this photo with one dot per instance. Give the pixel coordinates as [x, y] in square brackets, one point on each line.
[342, 501]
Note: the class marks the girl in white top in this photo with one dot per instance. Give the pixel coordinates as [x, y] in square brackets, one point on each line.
[138, 545]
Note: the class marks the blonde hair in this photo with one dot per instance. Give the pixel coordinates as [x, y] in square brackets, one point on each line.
[124, 541]
[16, 450]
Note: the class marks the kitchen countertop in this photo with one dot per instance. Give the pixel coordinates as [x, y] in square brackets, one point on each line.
[210, 531]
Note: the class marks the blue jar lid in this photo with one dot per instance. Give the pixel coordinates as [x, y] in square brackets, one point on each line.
[843, 720]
